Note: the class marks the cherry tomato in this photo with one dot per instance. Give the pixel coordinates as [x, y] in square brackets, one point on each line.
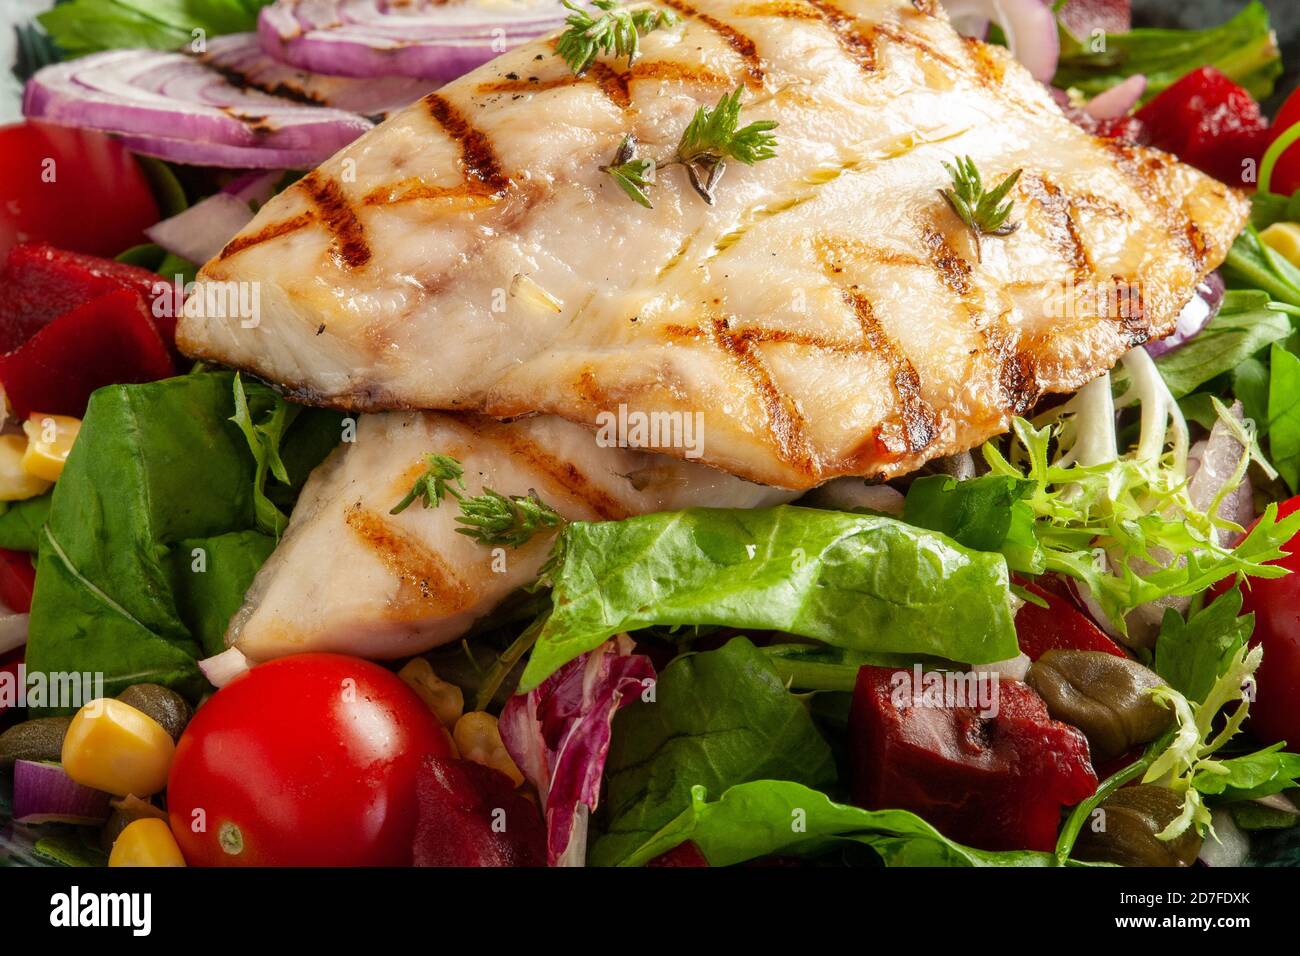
[17, 579]
[78, 189]
[1286, 174]
[308, 760]
[1275, 714]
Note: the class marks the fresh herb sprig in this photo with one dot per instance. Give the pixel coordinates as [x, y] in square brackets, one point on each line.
[490, 518]
[983, 212]
[710, 139]
[616, 31]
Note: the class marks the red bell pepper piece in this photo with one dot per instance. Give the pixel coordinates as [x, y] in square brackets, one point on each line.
[996, 781]
[1209, 121]
[17, 579]
[471, 815]
[39, 283]
[1059, 626]
[109, 340]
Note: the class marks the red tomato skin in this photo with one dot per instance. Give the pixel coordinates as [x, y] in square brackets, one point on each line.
[99, 201]
[313, 758]
[1275, 602]
[17, 580]
[1286, 174]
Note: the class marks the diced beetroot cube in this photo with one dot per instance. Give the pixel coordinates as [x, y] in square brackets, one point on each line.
[471, 815]
[1209, 121]
[995, 781]
[39, 283]
[1059, 626]
[683, 854]
[109, 340]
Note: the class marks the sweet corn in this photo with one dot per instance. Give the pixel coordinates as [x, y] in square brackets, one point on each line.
[447, 701]
[112, 746]
[478, 739]
[15, 482]
[1284, 239]
[49, 439]
[147, 842]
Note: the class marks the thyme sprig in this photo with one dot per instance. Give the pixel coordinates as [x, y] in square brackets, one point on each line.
[616, 31]
[983, 212]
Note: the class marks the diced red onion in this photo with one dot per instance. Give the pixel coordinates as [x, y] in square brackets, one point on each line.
[1196, 315]
[44, 793]
[202, 231]
[13, 630]
[1118, 100]
[1029, 26]
[433, 39]
[173, 106]
[221, 669]
[239, 57]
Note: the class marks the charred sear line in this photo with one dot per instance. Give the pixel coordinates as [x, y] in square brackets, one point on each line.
[477, 154]
[785, 9]
[534, 85]
[419, 568]
[350, 247]
[1016, 368]
[1063, 229]
[414, 190]
[909, 39]
[1143, 169]
[678, 72]
[786, 424]
[860, 46]
[953, 271]
[743, 45]
[919, 422]
[265, 234]
[988, 68]
[613, 83]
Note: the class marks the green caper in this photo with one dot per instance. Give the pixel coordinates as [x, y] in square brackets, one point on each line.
[1106, 696]
[1124, 832]
[40, 739]
[164, 705]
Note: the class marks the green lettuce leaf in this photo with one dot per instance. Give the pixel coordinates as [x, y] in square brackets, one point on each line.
[1254, 266]
[88, 26]
[1191, 654]
[211, 576]
[862, 582]
[719, 718]
[766, 817]
[1283, 423]
[1244, 48]
[988, 513]
[1247, 323]
[1252, 776]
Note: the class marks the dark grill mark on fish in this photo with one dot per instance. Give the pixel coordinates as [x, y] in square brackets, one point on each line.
[860, 46]
[954, 271]
[988, 68]
[743, 45]
[1063, 230]
[612, 83]
[476, 152]
[919, 423]
[350, 247]
[785, 424]
[680, 72]
[1142, 168]
[908, 39]
[529, 86]
[413, 190]
[420, 569]
[785, 9]
[1016, 368]
[265, 234]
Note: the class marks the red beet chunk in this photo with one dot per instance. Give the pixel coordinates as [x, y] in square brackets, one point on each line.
[471, 815]
[109, 340]
[39, 283]
[683, 854]
[1209, 121]
[1059, 626]
[993, 781]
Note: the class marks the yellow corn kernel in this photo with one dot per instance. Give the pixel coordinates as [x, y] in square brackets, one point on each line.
[111, 746]
[16, 483]
[447, 701]
[1284, 239]
[147, 842]
[49, 439]
[478, 739]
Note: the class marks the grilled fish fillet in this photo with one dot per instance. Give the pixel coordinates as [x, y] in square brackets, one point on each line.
[350, 577]
[829, 315]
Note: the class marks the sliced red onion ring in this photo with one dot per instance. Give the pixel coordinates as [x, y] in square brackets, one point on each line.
[1118, 100]
[239, 58]
[434, 39]
[173, 106]
[1029, 26]
[1196, 315]
[202, 231]
[253, 187]
[1082, 17]
[44, 793]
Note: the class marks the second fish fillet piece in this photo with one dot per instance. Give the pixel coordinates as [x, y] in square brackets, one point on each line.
[352, 578]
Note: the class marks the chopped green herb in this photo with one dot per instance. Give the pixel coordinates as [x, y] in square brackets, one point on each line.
[616, 31]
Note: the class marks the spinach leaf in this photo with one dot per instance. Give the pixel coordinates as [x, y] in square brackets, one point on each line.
[766, 817]
[1283, 423]
[1252, 265]
[1244, 48]
[210, 577]
[87, 26]
[154, 466]
[1252, 776]
[1192, 654]
[862, 582]
[20, 525]
[1246, 323]
[719, 718]
[984, 514]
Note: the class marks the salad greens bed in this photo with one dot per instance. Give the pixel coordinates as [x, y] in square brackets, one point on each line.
[177, 491]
